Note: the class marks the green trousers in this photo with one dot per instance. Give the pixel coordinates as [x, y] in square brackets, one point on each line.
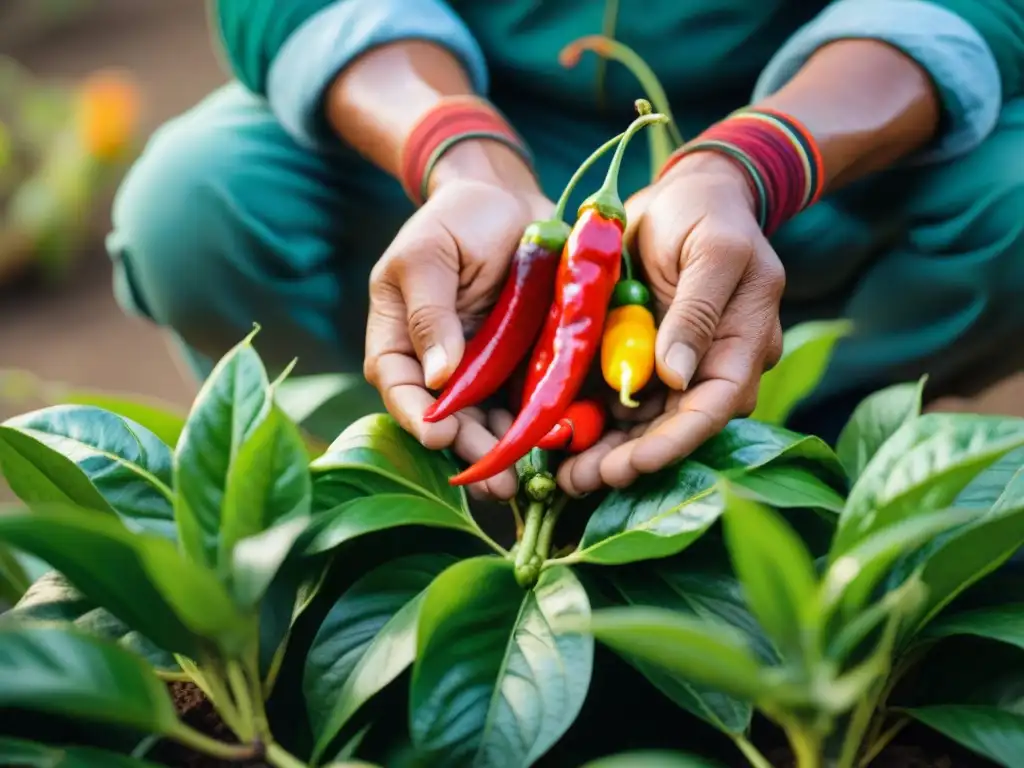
[225, 221]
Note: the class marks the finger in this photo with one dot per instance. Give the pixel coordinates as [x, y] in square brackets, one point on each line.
[636, 206]
[581, 474]
[399, 378]
[471, 443]
[650, 406]
[429, 289]
[499, 421]
[711, 268]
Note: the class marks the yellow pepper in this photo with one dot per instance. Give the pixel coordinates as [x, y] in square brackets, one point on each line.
[108, 114]
[627, 351]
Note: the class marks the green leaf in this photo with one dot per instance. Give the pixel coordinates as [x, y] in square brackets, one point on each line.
[746, 444]
[125, 462]
[52, 600]
[375, 455]
[923, 466]
[233, 401]
[366, 640]
[38, 474]
[703, 593]
[650, 760]
[28, 754]
[849, 582]
[875, 420]
[327, 403]
[707, 652]
[61, 672]
[776, 572]
[492, 685]
[1004, 623]
[267, 499]
[999, 485]
[964, 556]
[997, 734]
[807, 349]
[789, 486]
[14, 582]
[140, 578]
[369, 514]
[659, 515]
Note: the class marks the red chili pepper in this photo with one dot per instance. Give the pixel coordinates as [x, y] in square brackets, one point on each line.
[587, 276]
[512, 326]
[506, 335]
[579, 429]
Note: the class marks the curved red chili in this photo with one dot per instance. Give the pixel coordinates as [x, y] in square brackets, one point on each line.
[587, 276]
[512, 327]
[579, 429]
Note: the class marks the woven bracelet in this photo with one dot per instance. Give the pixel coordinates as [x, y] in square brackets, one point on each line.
[451, 121]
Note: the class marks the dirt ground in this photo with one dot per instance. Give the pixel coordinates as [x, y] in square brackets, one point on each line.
[75, 333]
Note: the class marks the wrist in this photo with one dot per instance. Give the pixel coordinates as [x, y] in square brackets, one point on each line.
[723, 168]
[486, 161]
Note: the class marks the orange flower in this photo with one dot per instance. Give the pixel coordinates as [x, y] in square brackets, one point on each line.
[108, 114]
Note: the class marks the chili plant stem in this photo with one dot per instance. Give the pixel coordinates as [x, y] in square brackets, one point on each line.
[883, 741]
[806, 747]
[547, 527]
[517, 516]
[279, 758]
[200, 742]
[752, 753]
[243, 701]
[531, 530]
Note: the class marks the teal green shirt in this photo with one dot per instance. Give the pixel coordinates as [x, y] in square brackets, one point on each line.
[711, 55]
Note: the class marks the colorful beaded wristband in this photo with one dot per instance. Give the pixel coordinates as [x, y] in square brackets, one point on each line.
[452, 120]
[778, 154]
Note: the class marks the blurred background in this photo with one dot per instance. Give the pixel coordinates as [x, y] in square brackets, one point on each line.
[107, 72]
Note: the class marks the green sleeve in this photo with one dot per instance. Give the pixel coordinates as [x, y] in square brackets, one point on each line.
[253, 31]
[1001, 24]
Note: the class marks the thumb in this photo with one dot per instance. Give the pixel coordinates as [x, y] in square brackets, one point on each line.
[430, 289]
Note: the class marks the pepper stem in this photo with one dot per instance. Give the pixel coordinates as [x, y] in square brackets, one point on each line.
[627, 263]
[596, 155]
[626, 389]
[606, 200]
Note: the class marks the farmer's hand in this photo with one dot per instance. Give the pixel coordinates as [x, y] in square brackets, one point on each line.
[438, 279]
[717, 284]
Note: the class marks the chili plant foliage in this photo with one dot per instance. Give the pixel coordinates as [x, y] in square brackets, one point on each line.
[345, 606]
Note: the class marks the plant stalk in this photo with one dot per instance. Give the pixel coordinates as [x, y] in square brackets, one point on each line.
[883, 741]
[806, 747]
[243, 701]
[280, 758]
[200, 742]
[517, 516]
[547, 527]
[525, 573]
[752, 753]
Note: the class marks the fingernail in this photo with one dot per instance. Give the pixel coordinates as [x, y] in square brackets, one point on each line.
[682, 359]
[434, 363]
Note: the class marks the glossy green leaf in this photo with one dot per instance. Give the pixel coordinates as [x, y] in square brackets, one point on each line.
[232, 402]
[776, 572]
[37, 474]
[643, 759]
[14, 581]
[366, 640]
[140, 578]
[923, 466]
[28, 754]
[369, 514]
[326, 404]
[707, 652]
[55, 670]
[1004, 623]
[966, 555]
[1001, 482]
[126, 463]
[875, 420]
[746, 444]
[997, 734]
[52, 600]
[850, 581]
[375, 455]
[492, 685]
[267, 504]
[705, 593]
[659, 515]
[789, 486]
[806, 351]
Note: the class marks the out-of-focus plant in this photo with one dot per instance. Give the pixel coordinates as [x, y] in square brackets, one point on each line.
[60, 146]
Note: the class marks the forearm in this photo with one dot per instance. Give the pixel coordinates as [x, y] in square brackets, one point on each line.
[867, 104]
[378, 99]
